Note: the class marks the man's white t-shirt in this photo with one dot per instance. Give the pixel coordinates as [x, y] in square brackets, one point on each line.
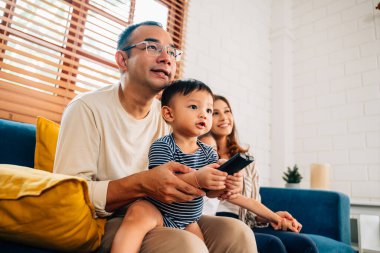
[100, 141]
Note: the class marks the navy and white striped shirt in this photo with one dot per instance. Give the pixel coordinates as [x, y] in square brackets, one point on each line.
[163, 150]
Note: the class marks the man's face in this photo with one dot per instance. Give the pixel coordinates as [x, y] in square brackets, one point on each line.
[152, 71]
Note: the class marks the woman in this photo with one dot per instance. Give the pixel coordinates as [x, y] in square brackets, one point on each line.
[268, 240]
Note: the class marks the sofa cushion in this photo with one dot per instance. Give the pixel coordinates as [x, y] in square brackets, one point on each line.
[17, 143]
[46, 142]
[328, 245]
[12, 247]
[47, 210]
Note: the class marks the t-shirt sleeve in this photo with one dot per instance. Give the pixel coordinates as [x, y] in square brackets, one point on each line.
[77, 152]
[160, 153]
[212, 156]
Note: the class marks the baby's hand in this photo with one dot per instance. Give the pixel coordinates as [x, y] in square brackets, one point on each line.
[210, 178]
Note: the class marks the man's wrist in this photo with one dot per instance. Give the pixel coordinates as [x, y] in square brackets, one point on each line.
[125, 190]
[140, 184]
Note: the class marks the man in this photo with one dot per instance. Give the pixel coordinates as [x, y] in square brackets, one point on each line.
[105, 136]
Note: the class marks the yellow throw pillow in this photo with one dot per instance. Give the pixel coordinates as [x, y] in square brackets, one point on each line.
[47, 210]
[46, 142]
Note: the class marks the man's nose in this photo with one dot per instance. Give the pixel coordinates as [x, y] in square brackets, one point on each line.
[165, 57]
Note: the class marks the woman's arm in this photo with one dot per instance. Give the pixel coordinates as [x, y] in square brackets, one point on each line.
[257, 208]
[251, 191]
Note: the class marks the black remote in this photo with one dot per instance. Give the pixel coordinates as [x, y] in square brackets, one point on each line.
[236, 163]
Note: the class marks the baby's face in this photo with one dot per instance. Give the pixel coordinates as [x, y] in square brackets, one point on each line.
[192, 114]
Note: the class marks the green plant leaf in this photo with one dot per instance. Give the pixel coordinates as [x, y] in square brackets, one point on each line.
[292, 176]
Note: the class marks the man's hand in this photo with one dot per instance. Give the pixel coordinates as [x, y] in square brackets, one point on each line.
[162, 184]
[210, 178]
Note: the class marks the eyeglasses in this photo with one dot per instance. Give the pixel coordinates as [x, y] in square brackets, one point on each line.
[155, 49]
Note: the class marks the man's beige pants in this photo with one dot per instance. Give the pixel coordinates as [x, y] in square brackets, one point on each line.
[222, 235]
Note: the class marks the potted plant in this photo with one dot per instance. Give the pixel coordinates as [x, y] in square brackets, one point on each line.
[292, 177]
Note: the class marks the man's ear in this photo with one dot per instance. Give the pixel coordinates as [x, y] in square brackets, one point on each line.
[167, 113]
[121, 60]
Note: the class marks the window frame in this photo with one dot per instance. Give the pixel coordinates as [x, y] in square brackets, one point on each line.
[73, 52]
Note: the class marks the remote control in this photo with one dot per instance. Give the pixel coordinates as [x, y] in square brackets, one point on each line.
[236, 163]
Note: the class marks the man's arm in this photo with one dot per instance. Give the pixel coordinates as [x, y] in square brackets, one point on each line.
[160, 183]
[77, 151]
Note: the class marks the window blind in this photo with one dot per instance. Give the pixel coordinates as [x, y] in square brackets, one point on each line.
[52, 50]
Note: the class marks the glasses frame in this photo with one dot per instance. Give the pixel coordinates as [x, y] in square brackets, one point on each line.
[158, 51]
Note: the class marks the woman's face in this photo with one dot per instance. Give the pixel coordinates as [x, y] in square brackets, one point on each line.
[222, 119]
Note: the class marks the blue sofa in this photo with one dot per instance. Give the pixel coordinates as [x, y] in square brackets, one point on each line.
[324, 214]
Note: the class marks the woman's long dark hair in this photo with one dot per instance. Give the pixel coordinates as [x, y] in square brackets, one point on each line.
[232, 139]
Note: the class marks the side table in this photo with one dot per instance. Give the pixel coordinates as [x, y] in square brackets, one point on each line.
[365, 227]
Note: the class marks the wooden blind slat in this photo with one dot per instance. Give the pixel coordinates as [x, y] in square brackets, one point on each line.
[59, 24]
[60, 74]
[72, 62]
[37, 85]
[59, 100]
[41, 34]
[17, 108]
[50, 63]
[50, 45]
[77, 24]
[59, 84]
[101, 12]
[6, 95]
[5, 114]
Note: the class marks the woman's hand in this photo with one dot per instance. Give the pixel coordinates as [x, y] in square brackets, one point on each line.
[287, 222]
[234, 186]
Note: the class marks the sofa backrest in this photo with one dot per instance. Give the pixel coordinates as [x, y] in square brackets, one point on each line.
[17, 143]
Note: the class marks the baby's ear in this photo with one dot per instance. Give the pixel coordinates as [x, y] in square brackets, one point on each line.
[167, 113]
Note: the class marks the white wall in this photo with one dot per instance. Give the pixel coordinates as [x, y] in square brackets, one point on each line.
[337, 92]
[335, 80]
[228, 48]
[282, 124]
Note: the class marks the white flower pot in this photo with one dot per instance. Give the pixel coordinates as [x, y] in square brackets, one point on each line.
[292, 185]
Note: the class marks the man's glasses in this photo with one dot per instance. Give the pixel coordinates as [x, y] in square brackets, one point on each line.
[155, 49]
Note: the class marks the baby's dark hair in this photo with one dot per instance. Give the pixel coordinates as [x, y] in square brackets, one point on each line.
[183, 87]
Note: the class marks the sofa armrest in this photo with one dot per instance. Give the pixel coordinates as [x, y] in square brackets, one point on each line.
[17, 143]
[320, 212]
